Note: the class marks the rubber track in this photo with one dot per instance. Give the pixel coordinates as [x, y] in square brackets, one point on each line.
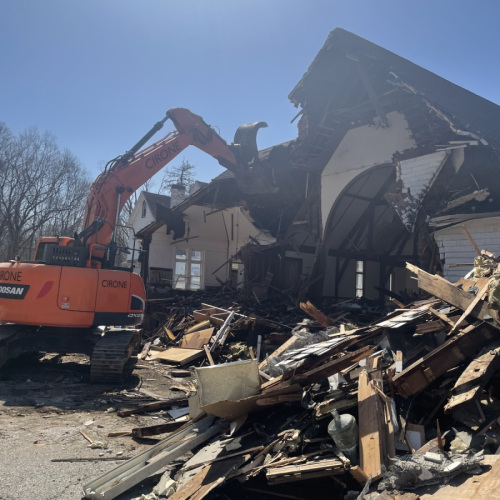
[110, 356]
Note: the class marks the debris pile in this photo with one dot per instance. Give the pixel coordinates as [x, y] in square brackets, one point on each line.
[406, 402]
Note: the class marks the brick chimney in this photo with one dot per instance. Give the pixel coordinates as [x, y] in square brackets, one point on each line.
[177, 194]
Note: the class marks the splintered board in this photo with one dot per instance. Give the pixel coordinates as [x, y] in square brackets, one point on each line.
[178, 356]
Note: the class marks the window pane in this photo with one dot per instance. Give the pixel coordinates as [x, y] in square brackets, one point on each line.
[180, 268]
[195, 269]
[195, 255]
[180, 254]
[180, 283]
[195, 283]
[359, 266]
[359, 281]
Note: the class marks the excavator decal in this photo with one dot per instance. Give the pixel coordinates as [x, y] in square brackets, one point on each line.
[9, 291]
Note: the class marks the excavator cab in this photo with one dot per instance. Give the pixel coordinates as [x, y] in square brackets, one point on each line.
[61, 252]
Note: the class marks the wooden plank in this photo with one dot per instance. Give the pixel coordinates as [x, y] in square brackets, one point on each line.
[485, 485]
[370, 414]
[470, 384]
[155, 406]
[425, 370]
[472, 242]
[281, 349]
[207, 479]
[358, 474]
[331, 367]
[429, 327]
[315, 313]
[120, 479]
[177, 355]
[209, 356]
[479, 296]
[441, 316]
[144, 351]
[438, 286]
[196, 340]
[199, 326]
[154, 430]
[308, 470]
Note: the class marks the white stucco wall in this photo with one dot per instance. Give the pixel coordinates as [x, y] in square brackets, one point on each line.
[218, 235]
[360, 149]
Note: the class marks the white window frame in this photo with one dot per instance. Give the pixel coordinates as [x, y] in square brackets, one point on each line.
[360, 279]
[185, 281]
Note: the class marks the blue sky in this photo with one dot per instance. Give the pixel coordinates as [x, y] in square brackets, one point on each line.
[99, 73]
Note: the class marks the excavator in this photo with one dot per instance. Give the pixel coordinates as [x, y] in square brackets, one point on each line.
[59, 301]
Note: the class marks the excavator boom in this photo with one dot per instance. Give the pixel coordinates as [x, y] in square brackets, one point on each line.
[73, 283]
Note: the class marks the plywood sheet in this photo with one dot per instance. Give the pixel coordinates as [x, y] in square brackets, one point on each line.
[178, 356]
[196, 340]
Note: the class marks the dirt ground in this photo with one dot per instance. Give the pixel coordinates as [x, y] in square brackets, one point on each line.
[49, 411]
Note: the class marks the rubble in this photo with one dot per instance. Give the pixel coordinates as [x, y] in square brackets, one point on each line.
[419, 384]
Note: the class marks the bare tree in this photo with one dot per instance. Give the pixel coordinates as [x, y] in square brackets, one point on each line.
[42, 191]
[183, 174]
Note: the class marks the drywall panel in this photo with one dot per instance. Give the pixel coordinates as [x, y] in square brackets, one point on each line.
[360, 149]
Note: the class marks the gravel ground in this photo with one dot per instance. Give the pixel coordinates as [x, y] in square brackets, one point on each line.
[46, 405]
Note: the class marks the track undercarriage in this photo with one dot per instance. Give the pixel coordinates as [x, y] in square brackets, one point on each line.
[110, 352]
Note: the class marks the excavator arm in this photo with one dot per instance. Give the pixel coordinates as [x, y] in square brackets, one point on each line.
[127, 173]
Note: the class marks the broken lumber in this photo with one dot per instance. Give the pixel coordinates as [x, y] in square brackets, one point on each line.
[372, 430]
[439, 287]
[425, 370]
[281, 349]
[157, 405]
[133, 471]
[329, 368]
[471, 383]
[315, 313]
[479, 296]
[154, 430]
[309, 470]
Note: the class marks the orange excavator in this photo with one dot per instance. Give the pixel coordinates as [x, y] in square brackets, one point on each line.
[55, 302]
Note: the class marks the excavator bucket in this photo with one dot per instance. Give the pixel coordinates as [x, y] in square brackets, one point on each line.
[245, 142]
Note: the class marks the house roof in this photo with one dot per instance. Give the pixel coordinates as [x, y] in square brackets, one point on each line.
[155, 200]
[342, 55]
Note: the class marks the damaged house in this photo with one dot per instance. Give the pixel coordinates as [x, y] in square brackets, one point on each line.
[401, 159]
[390, 162]
[193, 243]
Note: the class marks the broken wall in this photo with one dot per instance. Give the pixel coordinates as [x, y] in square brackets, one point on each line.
[360, 149]
[456, 249]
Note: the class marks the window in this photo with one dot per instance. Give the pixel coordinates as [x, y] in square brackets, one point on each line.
[144, 209]
[188, 264]
[360, 278]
